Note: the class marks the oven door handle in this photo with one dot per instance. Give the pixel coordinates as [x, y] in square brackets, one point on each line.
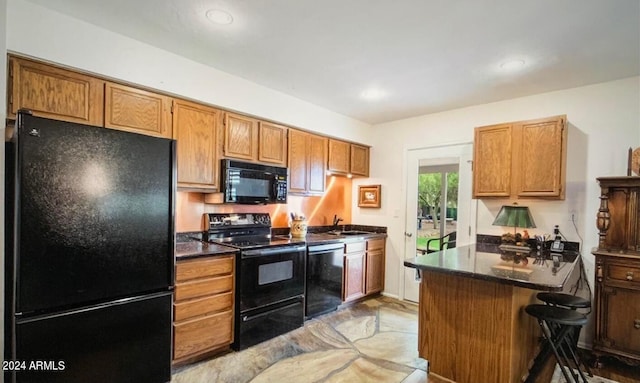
[272, 251]
[247, 318]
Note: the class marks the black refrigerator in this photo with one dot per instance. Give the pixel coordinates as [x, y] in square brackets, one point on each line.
[89, 245]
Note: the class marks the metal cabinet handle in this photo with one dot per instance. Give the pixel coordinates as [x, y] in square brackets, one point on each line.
[636, 324]
[629, 275]
[408, 235]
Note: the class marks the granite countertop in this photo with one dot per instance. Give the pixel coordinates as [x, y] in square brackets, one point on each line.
[193, 249]
[483, 261]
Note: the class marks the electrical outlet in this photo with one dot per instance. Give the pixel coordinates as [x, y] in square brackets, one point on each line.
[573, 215]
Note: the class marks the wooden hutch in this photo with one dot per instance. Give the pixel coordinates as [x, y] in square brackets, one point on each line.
[617, 279]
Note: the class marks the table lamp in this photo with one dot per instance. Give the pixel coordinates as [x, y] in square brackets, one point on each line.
[516, 216]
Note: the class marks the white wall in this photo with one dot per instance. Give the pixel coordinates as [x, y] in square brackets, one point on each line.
[604, 121]
[39, 32]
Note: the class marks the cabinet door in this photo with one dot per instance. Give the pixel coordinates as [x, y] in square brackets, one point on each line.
[339, 157]
[195, 132]
[317, 153]
[621, 320]
[492, 161]
[354, 276]
[539, 158]
[272, 144]
[375, 271]
[54, 93]
[297, 162]
[359, 160]
[240, 137]
[137, 111]
[202, 334]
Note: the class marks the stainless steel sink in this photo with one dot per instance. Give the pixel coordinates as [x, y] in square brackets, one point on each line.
[350, 232]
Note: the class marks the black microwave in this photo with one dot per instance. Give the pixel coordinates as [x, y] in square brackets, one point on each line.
[249, 183]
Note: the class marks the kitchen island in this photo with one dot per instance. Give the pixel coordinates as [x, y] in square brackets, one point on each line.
[472, 324]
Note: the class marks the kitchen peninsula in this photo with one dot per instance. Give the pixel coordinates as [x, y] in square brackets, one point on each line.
[472, 324]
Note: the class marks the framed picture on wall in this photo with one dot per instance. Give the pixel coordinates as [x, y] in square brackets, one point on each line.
[369, 196]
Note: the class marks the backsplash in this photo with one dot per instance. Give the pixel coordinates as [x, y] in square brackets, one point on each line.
[319, 210]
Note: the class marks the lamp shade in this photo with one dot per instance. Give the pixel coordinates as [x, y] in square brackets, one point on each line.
[514, 215]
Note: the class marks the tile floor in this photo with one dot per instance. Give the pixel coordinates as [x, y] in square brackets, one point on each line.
[372, 341]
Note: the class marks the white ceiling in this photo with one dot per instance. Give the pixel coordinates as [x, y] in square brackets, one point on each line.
[427, 55]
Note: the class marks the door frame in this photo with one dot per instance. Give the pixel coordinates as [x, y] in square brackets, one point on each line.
[442, 154]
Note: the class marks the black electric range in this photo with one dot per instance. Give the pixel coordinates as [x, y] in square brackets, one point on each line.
[270, 276]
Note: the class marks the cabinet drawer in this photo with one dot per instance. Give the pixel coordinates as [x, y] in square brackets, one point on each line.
[354, 247]
[207, 267]
[199, 288]
[203, 334]
[624, 273]
[197, 307]
[375, 244]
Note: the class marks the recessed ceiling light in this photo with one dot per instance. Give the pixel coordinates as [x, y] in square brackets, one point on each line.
[218, 16]
[373, 94]
[512, 65]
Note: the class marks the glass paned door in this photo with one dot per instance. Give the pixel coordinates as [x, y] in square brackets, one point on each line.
[437, 214]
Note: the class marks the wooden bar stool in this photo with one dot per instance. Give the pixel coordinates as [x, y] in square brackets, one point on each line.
[557, 325]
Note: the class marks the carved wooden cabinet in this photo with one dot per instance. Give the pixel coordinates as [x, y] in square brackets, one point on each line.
[354, 277]
[348, 159]
[521, 159]
[194, 128]
[617, 292]
[136, 110]
[203, 306]
[307, 162]
[54, 92]
[375, 266]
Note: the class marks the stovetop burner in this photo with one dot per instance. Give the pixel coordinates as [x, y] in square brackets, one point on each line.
[244, 231]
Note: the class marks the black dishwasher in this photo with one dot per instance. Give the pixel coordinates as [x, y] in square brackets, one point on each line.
[324, 278]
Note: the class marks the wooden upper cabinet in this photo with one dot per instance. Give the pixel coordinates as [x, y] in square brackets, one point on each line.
[339, 157]
[307, 163]
[298, 162]
[524, 159]
[540, 158]
[54, 92]
[348, 159]
[492, 161]
[137, 111]
[317, 164]
[194, 128]
[240, 137]
[272, 143]
[359, 160]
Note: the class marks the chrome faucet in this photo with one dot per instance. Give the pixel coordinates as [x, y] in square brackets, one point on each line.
[336, 221]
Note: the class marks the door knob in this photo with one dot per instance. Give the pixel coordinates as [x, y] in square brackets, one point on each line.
[408, 235]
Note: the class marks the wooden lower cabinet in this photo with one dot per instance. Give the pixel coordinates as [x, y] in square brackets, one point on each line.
[363, 272]
[353, 281]
[375, 266]
[203, 307]
[617, 307]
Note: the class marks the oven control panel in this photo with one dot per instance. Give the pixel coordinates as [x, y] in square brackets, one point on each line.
[238, 219]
